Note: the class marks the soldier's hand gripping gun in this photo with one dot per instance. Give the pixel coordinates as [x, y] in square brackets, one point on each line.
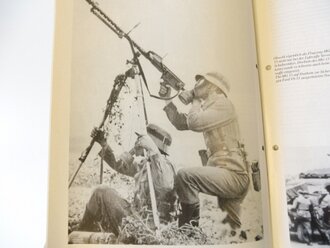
[167, 75]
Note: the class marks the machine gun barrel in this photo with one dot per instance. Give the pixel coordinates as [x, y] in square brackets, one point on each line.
[167, 75]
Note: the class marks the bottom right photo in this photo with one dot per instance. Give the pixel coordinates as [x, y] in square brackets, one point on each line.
[308, 196]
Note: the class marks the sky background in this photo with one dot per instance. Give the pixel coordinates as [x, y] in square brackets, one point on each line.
[302, 159]
[195, 36]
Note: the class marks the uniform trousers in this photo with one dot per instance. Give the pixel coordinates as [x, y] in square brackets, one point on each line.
[107, 208]
[229, 186]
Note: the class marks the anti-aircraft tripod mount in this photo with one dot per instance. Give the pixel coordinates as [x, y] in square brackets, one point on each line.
[135, 70]
[168, 76]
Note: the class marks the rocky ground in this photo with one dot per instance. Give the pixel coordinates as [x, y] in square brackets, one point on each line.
[211, 215]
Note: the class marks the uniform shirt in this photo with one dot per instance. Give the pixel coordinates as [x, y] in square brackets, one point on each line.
[216, 119]
[301, 203]
[162, 172]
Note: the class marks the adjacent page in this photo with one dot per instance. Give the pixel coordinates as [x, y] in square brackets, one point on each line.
[294, 60]
[185, 167]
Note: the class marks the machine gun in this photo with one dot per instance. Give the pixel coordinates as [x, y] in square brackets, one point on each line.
[119, 83]
[168, 76]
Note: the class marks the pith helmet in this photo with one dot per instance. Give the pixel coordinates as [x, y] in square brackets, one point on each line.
[217, 79]
[162, 138]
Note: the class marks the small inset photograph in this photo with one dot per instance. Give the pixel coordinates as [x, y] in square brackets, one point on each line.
[308, 196]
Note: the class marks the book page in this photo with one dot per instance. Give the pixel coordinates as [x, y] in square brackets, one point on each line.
[162, 170]
[293, 42]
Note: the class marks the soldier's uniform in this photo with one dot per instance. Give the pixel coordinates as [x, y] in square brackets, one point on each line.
[226, 174]
[301, 212]
[108, 208]
[302, 206]
[325, 206]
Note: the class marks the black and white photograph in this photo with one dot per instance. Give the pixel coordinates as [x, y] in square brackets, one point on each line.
[308, 196]
[166, 138]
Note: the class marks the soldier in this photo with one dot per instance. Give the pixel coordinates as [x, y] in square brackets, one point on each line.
[225, 174]
[325, 223]
[316, 212]
[325, 204]
[301, 215]
[107, 208]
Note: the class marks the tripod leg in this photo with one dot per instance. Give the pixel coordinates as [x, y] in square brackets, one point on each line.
[101, 171]
[75, 174]
[153, 198]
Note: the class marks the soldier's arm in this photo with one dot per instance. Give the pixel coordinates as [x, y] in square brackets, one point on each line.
[163, 172]
[200, 120]
[124, 165]
[178, 120]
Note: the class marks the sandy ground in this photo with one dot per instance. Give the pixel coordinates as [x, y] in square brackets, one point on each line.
[211, 215]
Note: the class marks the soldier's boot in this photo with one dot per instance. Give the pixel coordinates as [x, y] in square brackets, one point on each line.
[189, 215]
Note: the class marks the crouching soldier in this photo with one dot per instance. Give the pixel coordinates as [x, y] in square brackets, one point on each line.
[107, 209]
[225, 174]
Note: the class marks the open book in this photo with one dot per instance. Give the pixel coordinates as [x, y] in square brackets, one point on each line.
[190, 122]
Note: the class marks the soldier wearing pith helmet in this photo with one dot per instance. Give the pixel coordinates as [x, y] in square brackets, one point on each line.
[225, 174]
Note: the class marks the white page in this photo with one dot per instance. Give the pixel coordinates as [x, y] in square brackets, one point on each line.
[294, 40]
[198, 36]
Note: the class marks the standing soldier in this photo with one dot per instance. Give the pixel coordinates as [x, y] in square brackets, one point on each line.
[325, 204]
[225, 174]
[107, 208]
